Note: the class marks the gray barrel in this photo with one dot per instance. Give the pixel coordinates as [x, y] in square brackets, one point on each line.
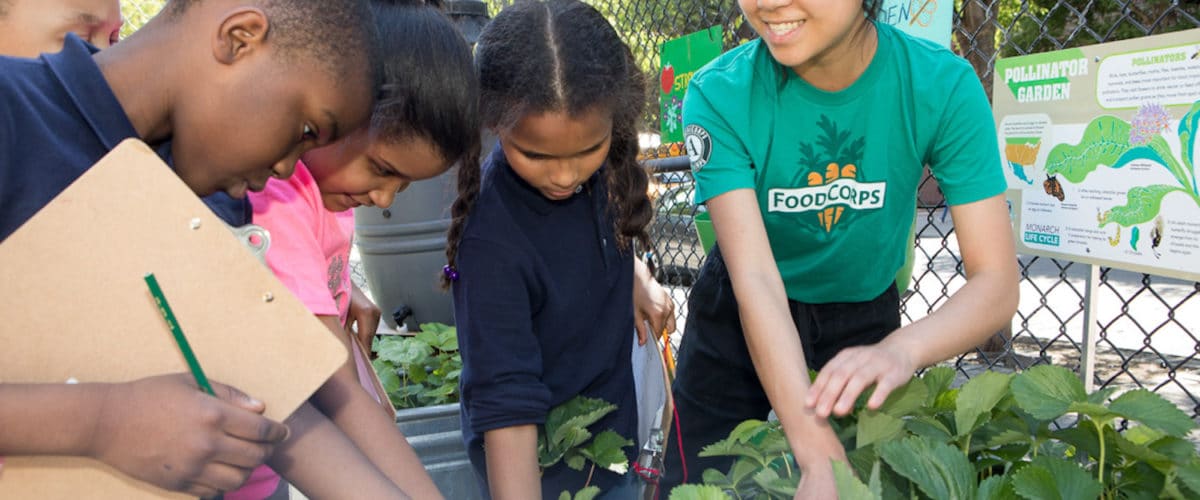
[403, 249]
[436, 435]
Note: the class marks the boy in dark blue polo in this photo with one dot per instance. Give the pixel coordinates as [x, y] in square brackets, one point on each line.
[230, 113]
[541, 251]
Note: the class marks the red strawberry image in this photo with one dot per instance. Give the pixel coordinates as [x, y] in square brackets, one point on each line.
[667, 78]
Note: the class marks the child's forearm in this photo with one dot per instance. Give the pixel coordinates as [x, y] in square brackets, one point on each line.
[44, 419]
[361, 419]
[162, 430]
[322, 462]
[512, 465]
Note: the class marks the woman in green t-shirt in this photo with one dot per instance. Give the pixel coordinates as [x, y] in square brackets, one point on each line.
[807, 145]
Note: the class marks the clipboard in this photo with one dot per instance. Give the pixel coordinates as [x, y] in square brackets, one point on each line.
[75, 306]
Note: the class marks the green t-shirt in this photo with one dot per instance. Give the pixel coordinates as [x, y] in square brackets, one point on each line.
[836, 173]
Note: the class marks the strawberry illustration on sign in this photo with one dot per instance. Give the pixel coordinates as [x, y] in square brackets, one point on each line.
[667, 78]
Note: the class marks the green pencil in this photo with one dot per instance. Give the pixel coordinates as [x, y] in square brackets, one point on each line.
[190, 356]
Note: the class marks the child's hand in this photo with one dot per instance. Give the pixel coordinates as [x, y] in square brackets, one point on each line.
[365, 314]
[165, 431]
[852, 371]
[651, 303]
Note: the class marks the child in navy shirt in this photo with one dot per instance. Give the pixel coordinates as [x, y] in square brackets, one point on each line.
[231, 113]
[540, 247]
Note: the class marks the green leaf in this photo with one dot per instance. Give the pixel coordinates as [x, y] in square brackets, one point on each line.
[1139, 452]
[575, 460]
[1100, 397]
[747, 430]
[427, 337]
[937, 380]
[906, 399]
[996, 488]
[1153, 411]
[565, 495]
[387, 375]
[1179, 449]
[851, 488]
[743, 470]
[1054, 479]
[976, 400]
[589, 493]
[605, 450]
[1099, 413]
[1083, 438]
[938, 469]
[1046, 391]
[1189, 475]
[1139, 481]
[567, 423]
[1143, 435]
[769, 481]
[945, 401]
[716, 478]
[1142, 204]
[1003, 430]
[874, 427]
[698, 492]
[730, 449]
[434, 328]
[929, 427]
[402, 350]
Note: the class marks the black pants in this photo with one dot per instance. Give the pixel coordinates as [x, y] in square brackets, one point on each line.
[716, 387]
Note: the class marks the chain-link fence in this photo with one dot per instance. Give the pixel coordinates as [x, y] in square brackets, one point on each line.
[1149, 326]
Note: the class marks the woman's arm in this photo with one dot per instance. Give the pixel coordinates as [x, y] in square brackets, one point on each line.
[512, 465]
[772, 338]
[322, 462]
[162, 430]
[361, 418]
[976, 311]
[651, 304]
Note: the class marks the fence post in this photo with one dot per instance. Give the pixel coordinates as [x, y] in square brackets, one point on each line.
[1087, 356]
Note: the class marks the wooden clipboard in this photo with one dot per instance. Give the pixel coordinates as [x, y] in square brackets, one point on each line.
[75, 306]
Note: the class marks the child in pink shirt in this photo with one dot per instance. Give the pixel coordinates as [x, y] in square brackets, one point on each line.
[424, 121]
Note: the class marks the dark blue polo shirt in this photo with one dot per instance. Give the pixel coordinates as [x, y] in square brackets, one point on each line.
[58, 117]
[544, 311]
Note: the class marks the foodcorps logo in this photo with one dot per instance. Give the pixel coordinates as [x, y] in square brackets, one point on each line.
[847, 192]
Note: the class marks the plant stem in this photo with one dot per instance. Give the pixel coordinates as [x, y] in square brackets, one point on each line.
[1100, 432]
[589, 478]
[787, 463]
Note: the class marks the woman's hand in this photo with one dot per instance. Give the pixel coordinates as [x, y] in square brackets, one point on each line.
[852, 371]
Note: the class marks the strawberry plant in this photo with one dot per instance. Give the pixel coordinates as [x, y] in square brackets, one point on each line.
[419, 370]
[1034, 435]
[565, 437]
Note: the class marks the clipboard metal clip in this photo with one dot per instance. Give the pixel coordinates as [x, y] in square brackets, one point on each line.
[255, 238]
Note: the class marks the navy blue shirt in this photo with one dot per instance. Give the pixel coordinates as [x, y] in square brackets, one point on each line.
[58, 116]
[544, 311]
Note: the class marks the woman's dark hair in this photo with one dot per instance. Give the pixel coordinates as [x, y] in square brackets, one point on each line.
[871, 7]
[561, 56]
[429, 86]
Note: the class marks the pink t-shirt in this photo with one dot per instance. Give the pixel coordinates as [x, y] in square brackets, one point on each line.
[310, 254]
[310, 246]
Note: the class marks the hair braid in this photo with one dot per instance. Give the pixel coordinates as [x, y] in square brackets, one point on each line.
[468, 176]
